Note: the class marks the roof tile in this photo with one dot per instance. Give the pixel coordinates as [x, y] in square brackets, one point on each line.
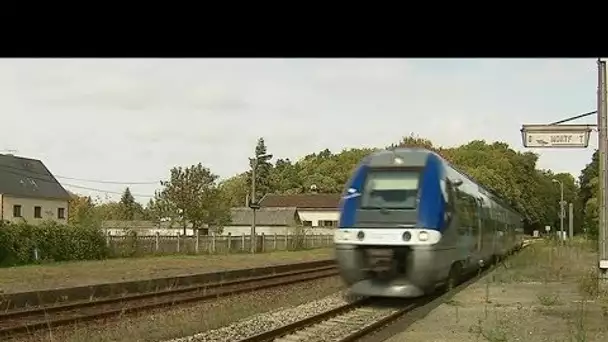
[25, 177]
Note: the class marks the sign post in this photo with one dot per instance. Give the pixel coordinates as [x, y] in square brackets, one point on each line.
[556, 135]
[602, 122]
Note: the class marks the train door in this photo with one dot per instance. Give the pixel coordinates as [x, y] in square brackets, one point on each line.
[480, 234]
[499, 233]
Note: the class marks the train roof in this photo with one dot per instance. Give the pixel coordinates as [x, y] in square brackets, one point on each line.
[416, 157]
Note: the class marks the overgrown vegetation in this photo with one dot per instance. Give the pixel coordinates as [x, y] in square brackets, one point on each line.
[22, 243]
[546, 292]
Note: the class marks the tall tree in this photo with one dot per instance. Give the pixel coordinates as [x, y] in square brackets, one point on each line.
[129, 209]
[193, 196]
[263, 169]
[588, 195]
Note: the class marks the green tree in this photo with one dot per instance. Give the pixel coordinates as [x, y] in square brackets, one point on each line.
[588, 196]
[588, 173]
[192, 196]
[110, 210]
[128, 206]
[81, 210]
[263, 169]
[235, 190]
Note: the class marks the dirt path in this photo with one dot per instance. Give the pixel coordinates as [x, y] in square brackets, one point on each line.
[545, 293]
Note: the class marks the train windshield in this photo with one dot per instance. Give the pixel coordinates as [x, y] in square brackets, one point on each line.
[391, 189]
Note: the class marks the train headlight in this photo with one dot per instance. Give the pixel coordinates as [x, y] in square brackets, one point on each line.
[406, 236]
[423, 236]
[342, 235]
[360, 235]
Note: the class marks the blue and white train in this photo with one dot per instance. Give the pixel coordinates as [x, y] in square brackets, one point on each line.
[411, 223]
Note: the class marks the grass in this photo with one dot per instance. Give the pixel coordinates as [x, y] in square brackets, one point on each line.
[567, 304]
[165, 324]
[546, 293]
[70, 274]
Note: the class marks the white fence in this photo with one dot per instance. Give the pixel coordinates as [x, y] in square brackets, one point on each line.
[130, 245]
[175, 231]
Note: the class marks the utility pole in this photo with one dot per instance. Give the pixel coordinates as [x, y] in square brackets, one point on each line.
[561, 208]
[602, 123]
[571, 220]
[253, 205]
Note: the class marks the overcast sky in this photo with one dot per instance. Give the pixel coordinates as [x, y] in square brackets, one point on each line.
[134, 119]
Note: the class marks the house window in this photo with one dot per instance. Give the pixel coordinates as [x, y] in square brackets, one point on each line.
[61, 213]
[307, 223]
[37, 212]
[16, 210]
[328, 223]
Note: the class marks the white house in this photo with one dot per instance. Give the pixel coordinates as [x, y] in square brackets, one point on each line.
[29, 192]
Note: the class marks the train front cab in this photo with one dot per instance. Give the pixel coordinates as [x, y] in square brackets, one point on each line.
[395, 213]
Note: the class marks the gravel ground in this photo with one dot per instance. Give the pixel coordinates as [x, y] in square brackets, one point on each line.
[340, 326]
[82, 273]
[268, 321]
[165, 324]
[544, 294]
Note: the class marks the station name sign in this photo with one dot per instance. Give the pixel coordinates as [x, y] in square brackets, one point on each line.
[556, 136]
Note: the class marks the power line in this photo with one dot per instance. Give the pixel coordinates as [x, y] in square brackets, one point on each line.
[82, 179]
[51, 180]
[105, 191]
[105, 182]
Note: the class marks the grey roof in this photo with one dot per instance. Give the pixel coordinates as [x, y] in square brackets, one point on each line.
[140, 224]
[302, 201]
[265, 216]
[24, 177]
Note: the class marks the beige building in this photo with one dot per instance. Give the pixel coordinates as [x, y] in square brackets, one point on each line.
[29, 192]
[268, 221]
[313, 210]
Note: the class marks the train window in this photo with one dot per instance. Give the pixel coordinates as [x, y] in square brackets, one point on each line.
[468, 211]
[394, 189]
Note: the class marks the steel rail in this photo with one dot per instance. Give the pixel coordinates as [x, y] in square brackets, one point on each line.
[16, 322]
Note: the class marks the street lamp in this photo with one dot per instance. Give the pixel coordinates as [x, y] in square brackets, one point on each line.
[253, 204]
[561, 207]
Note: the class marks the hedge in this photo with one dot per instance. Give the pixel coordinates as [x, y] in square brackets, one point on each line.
[22, 243]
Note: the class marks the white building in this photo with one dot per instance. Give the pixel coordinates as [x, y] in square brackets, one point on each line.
[284, 214]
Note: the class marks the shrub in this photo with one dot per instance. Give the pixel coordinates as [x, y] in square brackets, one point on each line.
[22, 243]
[297, 240]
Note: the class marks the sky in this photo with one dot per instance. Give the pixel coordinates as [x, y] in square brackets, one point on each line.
[131, 120]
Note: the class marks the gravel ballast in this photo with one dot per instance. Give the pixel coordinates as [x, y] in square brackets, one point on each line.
[267, 321]
[187, 320]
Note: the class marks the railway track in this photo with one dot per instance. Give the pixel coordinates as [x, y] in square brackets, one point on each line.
[343, 324]
[17, 322]
[369, 319]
